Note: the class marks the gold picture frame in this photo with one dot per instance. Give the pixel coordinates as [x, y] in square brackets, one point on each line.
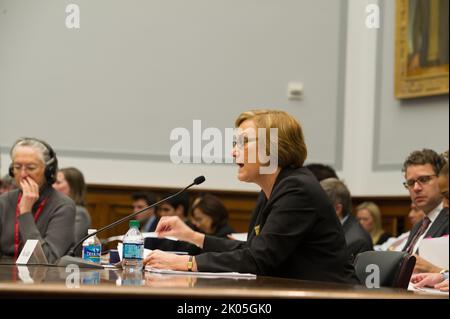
[422, 53]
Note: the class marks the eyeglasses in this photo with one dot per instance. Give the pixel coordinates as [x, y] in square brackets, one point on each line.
[421, 180]
[241, 141]
[28, 168]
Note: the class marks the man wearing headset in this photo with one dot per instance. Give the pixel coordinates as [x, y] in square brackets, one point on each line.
[35, 210]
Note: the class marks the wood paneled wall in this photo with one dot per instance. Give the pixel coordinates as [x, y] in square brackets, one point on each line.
[108, 203]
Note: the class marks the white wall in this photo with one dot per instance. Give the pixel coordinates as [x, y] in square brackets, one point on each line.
[342, 95]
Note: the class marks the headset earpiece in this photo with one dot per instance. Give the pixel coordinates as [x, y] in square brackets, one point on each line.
[51, 166]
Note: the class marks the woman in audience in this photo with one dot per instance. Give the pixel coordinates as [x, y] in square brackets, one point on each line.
[70, 182]
[369, 216]
[210, 216]
[294, 231]
[35, 210]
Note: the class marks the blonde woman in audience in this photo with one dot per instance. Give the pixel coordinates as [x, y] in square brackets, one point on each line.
[369, 216]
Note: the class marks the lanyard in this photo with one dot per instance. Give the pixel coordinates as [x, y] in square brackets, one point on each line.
[16, 226]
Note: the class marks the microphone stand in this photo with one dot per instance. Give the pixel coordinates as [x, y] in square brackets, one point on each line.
[70, 259]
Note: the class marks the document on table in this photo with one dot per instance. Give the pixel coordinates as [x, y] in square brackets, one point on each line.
[147, 251]
[427, 290]
[232, 275]
[435, 250]
[239, 236]
[145, 235]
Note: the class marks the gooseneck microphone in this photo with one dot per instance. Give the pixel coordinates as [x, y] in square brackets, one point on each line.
[70, 259]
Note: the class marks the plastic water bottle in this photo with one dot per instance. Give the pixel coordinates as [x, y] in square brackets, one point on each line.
[133, 247]
[132, 276]
[92, 248]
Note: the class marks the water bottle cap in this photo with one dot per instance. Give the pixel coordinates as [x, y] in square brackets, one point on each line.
[91, 231]
[134, 223]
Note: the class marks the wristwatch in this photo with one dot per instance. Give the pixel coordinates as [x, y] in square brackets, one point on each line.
[444, 273]
[190, 263]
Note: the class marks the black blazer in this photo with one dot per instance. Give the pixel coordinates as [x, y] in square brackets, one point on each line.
[357, 239]
[223, 231]
[294, 234]
[439, 227]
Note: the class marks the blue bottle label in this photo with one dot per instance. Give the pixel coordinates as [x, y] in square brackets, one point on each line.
[133, 251]
[92, 253]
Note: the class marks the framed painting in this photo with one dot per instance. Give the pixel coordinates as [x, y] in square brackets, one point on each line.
[422, 53]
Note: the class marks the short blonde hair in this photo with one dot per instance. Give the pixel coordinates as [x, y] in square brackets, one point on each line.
[292, 149]
[374, 211]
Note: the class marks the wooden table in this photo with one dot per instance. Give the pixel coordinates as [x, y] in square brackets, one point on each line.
[50, 282]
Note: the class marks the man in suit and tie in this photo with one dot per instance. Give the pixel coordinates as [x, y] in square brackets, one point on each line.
[147, 219]
[357, 239]
[421, 170]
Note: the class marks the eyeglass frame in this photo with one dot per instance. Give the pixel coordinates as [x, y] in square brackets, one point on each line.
[243, 140]
[409, 184]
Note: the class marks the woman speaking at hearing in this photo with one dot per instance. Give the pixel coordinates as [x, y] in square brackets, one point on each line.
[293, 232]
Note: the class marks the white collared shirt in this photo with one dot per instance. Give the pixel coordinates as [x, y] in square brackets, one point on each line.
[432, 216]
[343, 220]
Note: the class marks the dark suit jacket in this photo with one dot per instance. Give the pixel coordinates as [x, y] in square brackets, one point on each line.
[357, 239]
[223, 231]
[439, 227]
[150, 228]
[294, 234]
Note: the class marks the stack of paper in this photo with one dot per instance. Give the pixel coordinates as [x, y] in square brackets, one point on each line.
[435, 250]
[426, 290]
[145, 235]
[233, 275]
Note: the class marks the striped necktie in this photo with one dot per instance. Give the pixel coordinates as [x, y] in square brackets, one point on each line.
[423, 227]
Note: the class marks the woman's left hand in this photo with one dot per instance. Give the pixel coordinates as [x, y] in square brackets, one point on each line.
[162, 260]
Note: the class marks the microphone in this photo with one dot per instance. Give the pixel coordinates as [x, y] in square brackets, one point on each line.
[70, 259]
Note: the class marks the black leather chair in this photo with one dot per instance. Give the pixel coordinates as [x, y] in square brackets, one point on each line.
[395, 267]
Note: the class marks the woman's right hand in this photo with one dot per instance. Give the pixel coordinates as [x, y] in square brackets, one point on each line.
[30, 194]
[175, 227]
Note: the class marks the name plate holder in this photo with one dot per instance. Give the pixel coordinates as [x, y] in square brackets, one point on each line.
[32, 254]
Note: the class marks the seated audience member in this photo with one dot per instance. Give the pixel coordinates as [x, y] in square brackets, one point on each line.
[294, 231]
[178, 207]
[421, 170]
[210, 216]
[415, 215]
[358, 240]
[35, 210]
[322, 171]
[148, 219]
[7, 184]
[70, 182]
[369, 216]
[437, 280]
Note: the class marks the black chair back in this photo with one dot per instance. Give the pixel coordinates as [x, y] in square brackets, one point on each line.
[395, 267]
